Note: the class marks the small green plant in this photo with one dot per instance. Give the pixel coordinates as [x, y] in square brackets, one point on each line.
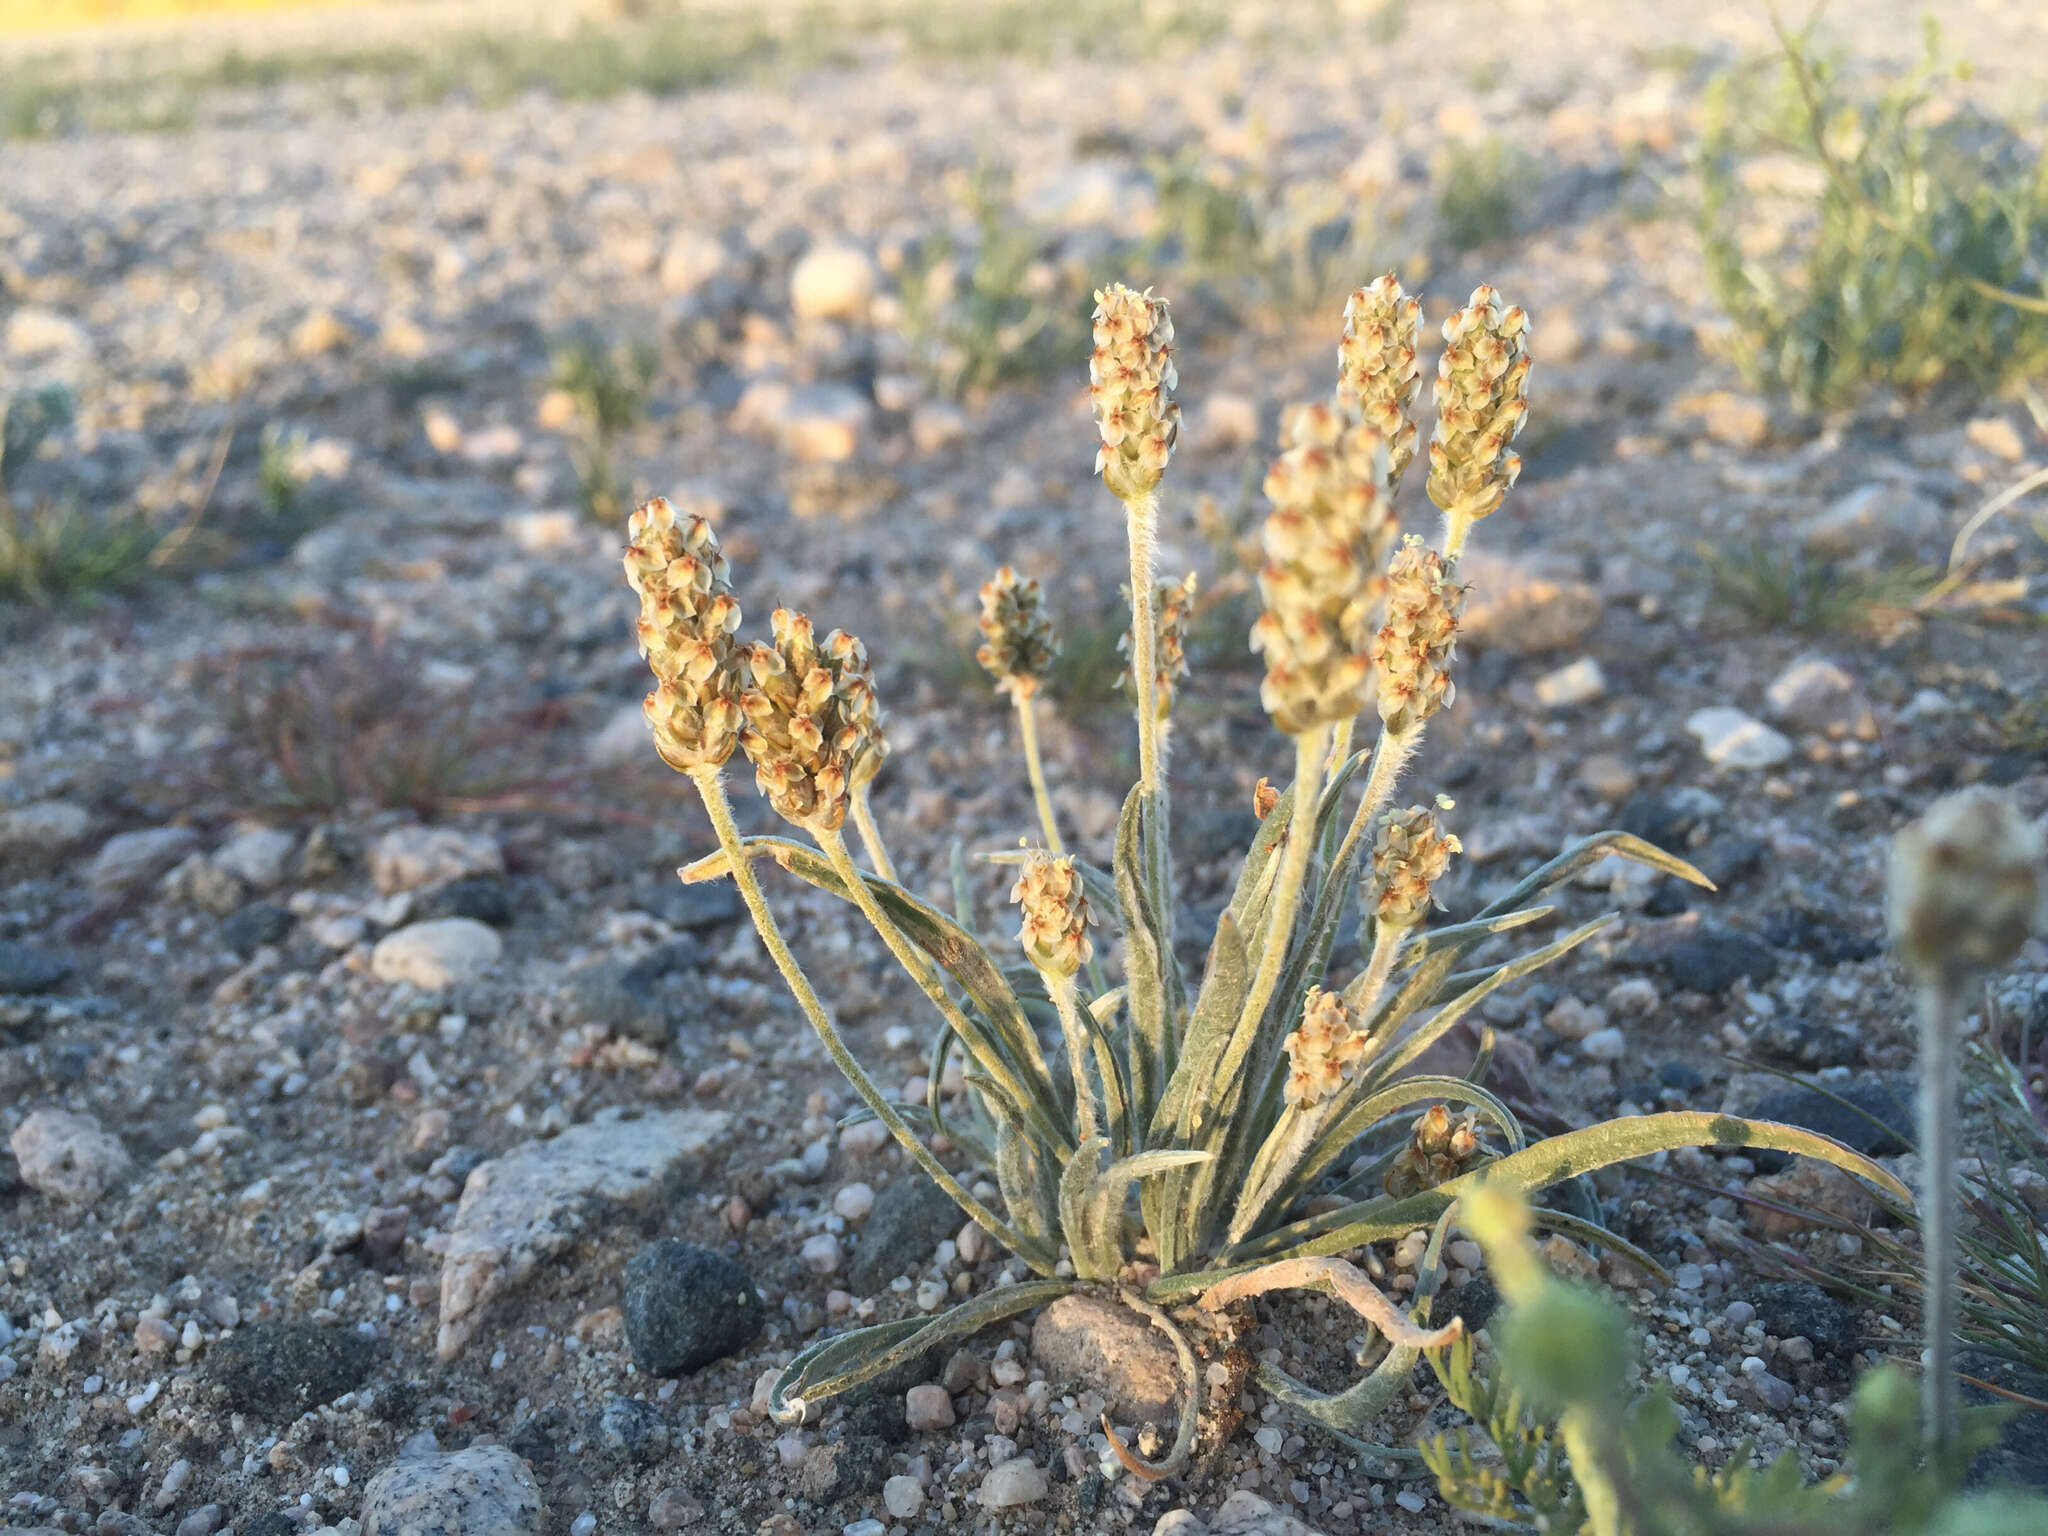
[999, 310]
[1783, 587]
[607, 384]
[1578, 1453]
[1481, 194]
[1925, 259]
[1172, 1139]
[280, 474]
[56, 548]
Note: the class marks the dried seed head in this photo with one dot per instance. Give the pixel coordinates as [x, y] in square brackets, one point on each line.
[1966, 885]
[1324, 1053]
[1055, 909]
[687, 617]
[1264, 798]
[1377, 368]
[1018, 643]
[1412, 651]
[813, 730]
[1326, 540]
[1173, 604]
[1439, 1149]
[1131, 379]
[1482, 399]
[1408, 858]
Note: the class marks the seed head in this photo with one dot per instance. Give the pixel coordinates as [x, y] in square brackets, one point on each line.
[1324, 1052]
[1018, 643]
[687, 617]
[1377, 369]
[1412, 651]
[1055, 910]
[1439, 1149]
[1482, 399]
[1131, 379]
[1408, 858]
[1966, 885]
[1173, 605]
[1325, 540]
[813, 730]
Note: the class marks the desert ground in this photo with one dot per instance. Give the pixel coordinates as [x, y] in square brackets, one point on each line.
[338, 906]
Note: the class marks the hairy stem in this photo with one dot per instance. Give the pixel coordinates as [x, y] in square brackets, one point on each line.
[1940, 1013]
[1389, 757]
[1062, 990]
[719, 809]
[914, 961]
[1027, 728]
[1140, 523]
[871, 836]
[1309, 748]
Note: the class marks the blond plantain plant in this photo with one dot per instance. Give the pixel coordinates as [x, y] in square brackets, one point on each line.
[1177, 1143]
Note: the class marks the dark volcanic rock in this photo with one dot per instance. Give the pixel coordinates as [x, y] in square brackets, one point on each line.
[1806, 1044]
[714, 904]
[250, 926]
[1829, 943]
[279, 1370]
[1801, 1309]
[1873, 1116]
[686, 1306]
[1713, 959]
[485, 898]
[24, 968]
[632, 998]
[910, 1219]
[627, 1427]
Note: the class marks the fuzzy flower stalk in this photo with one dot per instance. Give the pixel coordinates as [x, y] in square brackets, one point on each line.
[1378, 373]
[1018, 648]
[1054, 934]
[1325, 540]
[1963, 892]
[1131, 379]
[1482, 399]
[804, 714]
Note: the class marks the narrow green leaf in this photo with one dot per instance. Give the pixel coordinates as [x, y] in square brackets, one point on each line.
[1445, 1017]
[833, 1365]
[1584, 855]
[1464, 936]
[1149, 967]
[1538, 1166]
[1224, 983]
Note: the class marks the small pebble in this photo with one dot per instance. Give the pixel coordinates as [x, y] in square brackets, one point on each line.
[854, 1201]
[928, 1407]
[903, 1497]
[1411, 1501]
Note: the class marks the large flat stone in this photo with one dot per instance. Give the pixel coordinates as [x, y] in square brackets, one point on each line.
[542, 1197]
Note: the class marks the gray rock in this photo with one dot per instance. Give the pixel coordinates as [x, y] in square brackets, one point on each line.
[1814, 694]
[539, 1199]
[42, 828]
[1244, 1513]
[1801, 1309]
[483, 1491]
[1016, 1482]
[66, 1156]
[686, 1306]
[1731, 739]
[1093, 1342]
[278, 1370]
[1881, 518]
[408, 858]
[135, 858]
[260, 857]
[1522, 604]
[713, 904]
[434, 956]
[909, 1220]
[844, 1469]
[24, 968]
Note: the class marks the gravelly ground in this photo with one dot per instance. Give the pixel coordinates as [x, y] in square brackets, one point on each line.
[386, 282]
